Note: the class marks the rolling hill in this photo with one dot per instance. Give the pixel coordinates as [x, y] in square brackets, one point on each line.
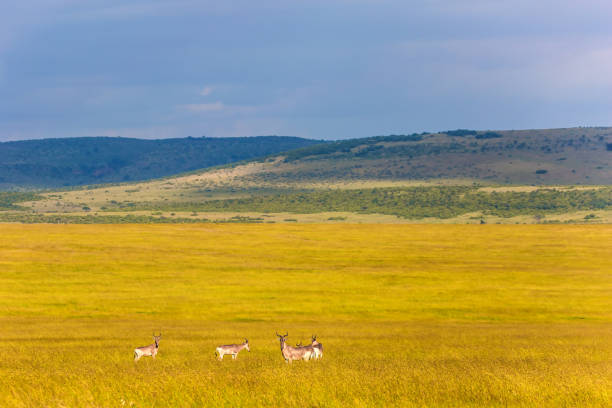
[52, 163]
[540, 157]
[453, 176]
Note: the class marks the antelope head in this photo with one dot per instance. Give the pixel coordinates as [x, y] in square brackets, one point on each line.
[157, 339]
[282, 338]
[246, 342]
[314, 339]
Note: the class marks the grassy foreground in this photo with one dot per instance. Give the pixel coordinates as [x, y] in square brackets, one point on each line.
[409, 315]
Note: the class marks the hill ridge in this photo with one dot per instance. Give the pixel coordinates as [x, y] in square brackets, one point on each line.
[60, 162]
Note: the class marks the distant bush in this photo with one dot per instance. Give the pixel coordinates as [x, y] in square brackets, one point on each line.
[412, 202]
[488, 135]
[609, 147]
[461, 132]
[343, 148]
[541, 171]
[407, 202]
[32, 218]
[9, 199]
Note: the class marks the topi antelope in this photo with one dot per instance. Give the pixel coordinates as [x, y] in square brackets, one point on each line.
[318, 347]
[294, 353]
[232, 349]
[150, 350]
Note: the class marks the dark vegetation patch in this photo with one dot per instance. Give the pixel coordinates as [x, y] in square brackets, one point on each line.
[488, 135]
[478, 135]
[344, 148]
[9, 199]
[461, 132]
[409, 202]
[94, 160]
[32, 218]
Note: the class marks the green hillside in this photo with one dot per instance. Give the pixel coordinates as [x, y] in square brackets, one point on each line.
[554, 175]
[51, 163]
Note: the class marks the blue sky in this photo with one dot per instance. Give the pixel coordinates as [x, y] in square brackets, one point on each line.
[320, 69]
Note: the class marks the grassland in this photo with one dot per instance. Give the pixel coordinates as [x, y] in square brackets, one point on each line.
[351, 203]
[409, 315]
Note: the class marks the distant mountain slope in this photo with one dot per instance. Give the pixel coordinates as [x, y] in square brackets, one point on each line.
[542, 157]
[552, 157]
[91, 160]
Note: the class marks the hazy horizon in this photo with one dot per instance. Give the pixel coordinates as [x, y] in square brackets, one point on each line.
[310, 138]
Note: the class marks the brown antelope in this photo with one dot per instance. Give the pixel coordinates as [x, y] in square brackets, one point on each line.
[294, 353]
[232, 349]
[318, 347]
[150, 350]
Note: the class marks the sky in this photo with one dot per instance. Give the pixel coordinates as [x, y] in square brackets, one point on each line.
[323, 69]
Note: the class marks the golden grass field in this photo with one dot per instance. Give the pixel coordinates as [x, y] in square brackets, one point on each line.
[409, 315]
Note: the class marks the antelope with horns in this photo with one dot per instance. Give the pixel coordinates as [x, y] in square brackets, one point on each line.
[150, 350]
[294, 353]
[232, 349]
[318, 347]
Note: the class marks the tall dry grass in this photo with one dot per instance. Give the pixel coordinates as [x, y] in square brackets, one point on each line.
[409, 315]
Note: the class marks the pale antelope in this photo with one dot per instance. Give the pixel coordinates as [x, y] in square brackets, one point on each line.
[150, 350]
[294, 353]
[318, 347]
[232, 349]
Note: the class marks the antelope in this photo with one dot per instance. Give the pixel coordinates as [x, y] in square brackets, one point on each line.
[150, 350]
[232, 349]
[294, 353]
[318, 347]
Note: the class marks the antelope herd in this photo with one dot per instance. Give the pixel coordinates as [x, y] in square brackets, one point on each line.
[299, 352]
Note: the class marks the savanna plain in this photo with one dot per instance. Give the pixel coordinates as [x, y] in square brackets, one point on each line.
[409, 315]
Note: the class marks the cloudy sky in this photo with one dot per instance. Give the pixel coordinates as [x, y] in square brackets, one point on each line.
[312, 68]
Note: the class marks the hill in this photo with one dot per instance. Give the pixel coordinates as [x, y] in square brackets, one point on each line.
[464, 176]
[551, 156]
[52, 163]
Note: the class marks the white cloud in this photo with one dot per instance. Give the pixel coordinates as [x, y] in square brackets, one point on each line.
[204, 107]
[221, 107]
[206, 91]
